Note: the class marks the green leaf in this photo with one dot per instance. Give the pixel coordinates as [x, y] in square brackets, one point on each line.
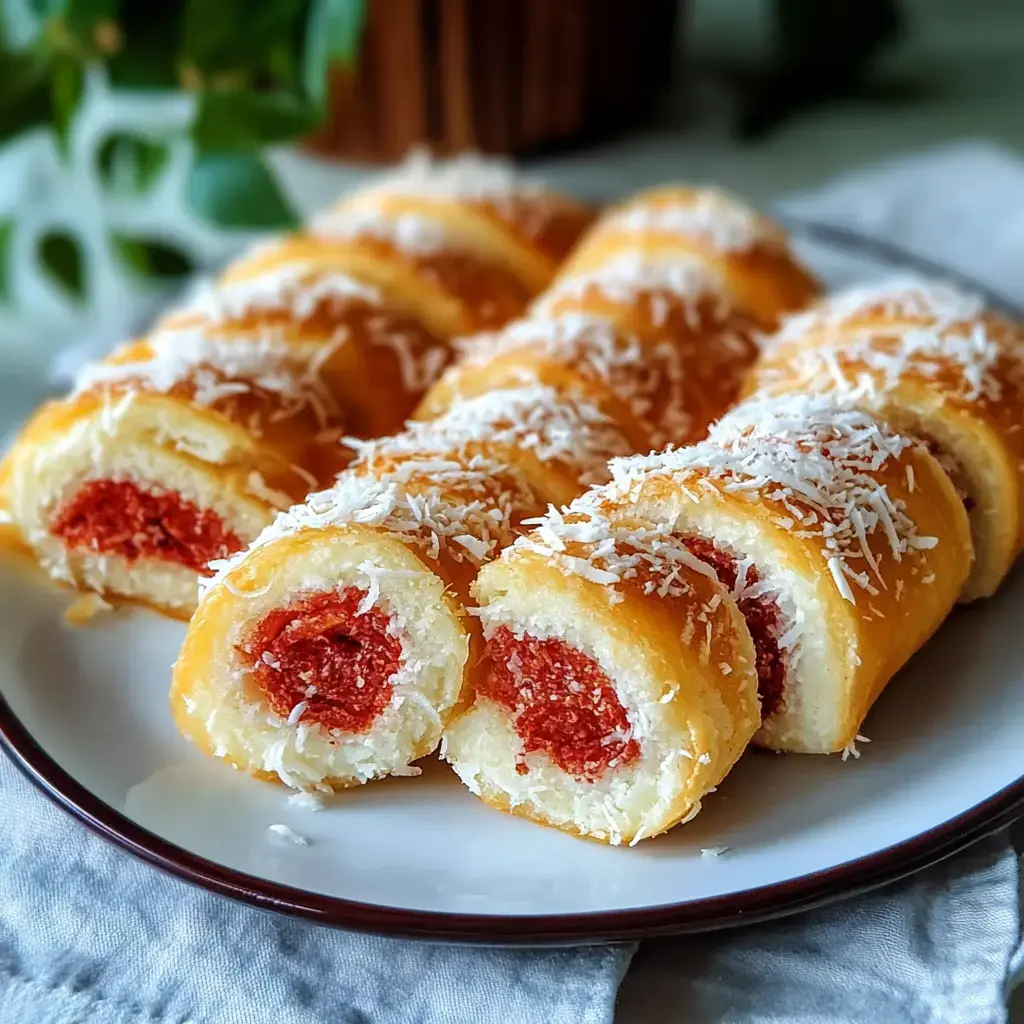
[151, 257]
[233, 119]
[46, 9]
[237, 34]
[6, 238]
[82, 16]
[25, 98]
[61, 257]
[236, 190]
[334, 32]
[130, 164]
[65, 92]
[152, 40]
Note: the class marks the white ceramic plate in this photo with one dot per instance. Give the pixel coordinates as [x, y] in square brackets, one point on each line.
[84, 712]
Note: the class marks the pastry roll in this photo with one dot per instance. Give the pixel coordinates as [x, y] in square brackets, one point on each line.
[561, 444]
[749, 252]
[933, 363]
[376, 357]
[845, 545]
[334, 650]
[672, 304]
[497, 213]
[468, 248]
[617, 685]
[640, 384]
[172, 453]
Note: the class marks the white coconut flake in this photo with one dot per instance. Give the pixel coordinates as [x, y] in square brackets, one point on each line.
[306, 801]
[288, 834]
[714, 852]
[628, 275]
[219, 368]
[434, 502]
[534, 418]
[296, 287]
[466, 176]
[649, 380]
[903, 297]
[817, 457]
[416, 235]
[297, 712]
[725, 221]
[874, 339]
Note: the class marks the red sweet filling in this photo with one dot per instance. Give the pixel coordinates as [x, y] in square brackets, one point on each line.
[564, 705]
[763, 621]
[116, 517]
[322, 652]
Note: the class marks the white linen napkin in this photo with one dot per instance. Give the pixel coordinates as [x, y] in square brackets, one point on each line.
[89, 935]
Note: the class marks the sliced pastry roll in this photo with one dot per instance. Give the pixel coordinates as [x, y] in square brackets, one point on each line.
[497, 212]
[376, 356]
[675, 305]
[171, 453]
[561, 444]
[641, 384]
[334, 650]
[594, 708]
[843, 542]
[704, 225]
[937, 366]
[461, 267]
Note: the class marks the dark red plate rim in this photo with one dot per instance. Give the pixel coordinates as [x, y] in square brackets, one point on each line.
[745, 907]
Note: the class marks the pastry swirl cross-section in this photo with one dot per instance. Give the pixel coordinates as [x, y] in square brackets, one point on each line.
[336, 648]
[763, 585]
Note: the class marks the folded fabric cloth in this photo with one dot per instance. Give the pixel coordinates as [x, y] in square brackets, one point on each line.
[89, 935]
[932, 950]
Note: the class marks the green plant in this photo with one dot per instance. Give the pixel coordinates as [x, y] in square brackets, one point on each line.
[258, 69]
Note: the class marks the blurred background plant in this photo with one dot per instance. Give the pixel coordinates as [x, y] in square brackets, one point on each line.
[132, 143]
[134, 133]
[258, 72]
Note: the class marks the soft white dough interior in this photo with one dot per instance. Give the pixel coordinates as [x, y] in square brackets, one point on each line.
[972, 463]
[641, 797]
[38, 492]
[241, 725]
[814, 690]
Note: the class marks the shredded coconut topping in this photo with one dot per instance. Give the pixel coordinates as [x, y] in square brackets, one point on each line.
[412, 233]
[931, 332]
[296, 287]
[592, 347]
[465, 176]
[723, 220]
[903, 298]
[464, 506]
[585, 540]
[815, 457]
[534, 418]
[219, 368]
[623, 278]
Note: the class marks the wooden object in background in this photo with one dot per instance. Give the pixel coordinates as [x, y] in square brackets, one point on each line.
[498, 76]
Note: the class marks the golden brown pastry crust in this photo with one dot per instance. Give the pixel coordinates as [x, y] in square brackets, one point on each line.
[956, 383]
[748, 251]
[870, 595]
[691, 696]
